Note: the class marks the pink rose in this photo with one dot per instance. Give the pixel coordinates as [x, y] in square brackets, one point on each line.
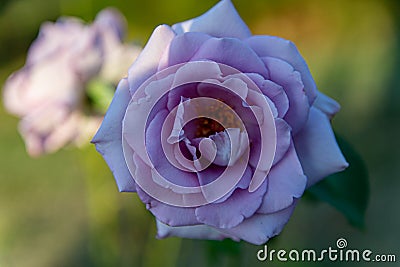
[49, 92]
[219, 131]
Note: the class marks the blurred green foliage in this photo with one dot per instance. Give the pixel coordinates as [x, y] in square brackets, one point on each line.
[65, 210]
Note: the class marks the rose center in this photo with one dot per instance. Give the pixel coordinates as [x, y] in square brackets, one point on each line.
[204, 127]
[222, 115]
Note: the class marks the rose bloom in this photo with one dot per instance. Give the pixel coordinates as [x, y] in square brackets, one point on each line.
[219, 131]
[49, 92]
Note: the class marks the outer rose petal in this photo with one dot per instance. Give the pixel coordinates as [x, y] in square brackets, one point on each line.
[170, 215]
[191, 231]
[271, 46]
[240, 205]
[147, 62]
[327, 105]
[108, 139]
[286, 182]
[317, 149]
[259, 228]
[230, 24]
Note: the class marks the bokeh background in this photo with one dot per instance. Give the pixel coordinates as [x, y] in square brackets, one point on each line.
[64, 209]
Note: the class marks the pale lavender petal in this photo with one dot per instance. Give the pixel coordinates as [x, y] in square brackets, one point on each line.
[108, 139]
[159, 160]
[271, 46]
[327, 105]
[273, 91]
[112, 20]
[283, 139]
[259, 228]
[240, 205]
[117, 56]
[225, 51]
[182, 48]
[284, 74]
[286, 182]
[171, 215]
[33, 87]
[147, 62]
[190, 231]
[220, 21]
[48, 43]
[317, 148]
[38, 126]
[230, 146]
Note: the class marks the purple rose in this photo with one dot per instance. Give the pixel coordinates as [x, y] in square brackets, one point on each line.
[219, 131]
[48, 93]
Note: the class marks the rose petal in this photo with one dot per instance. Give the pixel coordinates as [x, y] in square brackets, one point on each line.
[283, 139]
[225, 51]
[317, 148]
[227, 151]
[286, 181]
[171, 215]
[284, 74]
[112, 20]
[159, 160]
[147, 62]
[230, 24]
[240, 205]
[259, 228]
[273, 91]
[190, 231]
[33, 87]
[271, 46]
[108, 139]
[182, 48]
[327, 105]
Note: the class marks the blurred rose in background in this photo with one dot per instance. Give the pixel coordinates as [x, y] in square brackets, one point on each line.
[55, 93]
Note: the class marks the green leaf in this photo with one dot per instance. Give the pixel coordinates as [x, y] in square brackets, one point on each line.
[347, 191]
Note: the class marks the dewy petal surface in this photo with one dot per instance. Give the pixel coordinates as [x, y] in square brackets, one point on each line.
[230, 23]
[317, 148]
[108, 139]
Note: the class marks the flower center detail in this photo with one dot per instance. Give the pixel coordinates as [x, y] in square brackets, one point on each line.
[206, 127]
[224, 117]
